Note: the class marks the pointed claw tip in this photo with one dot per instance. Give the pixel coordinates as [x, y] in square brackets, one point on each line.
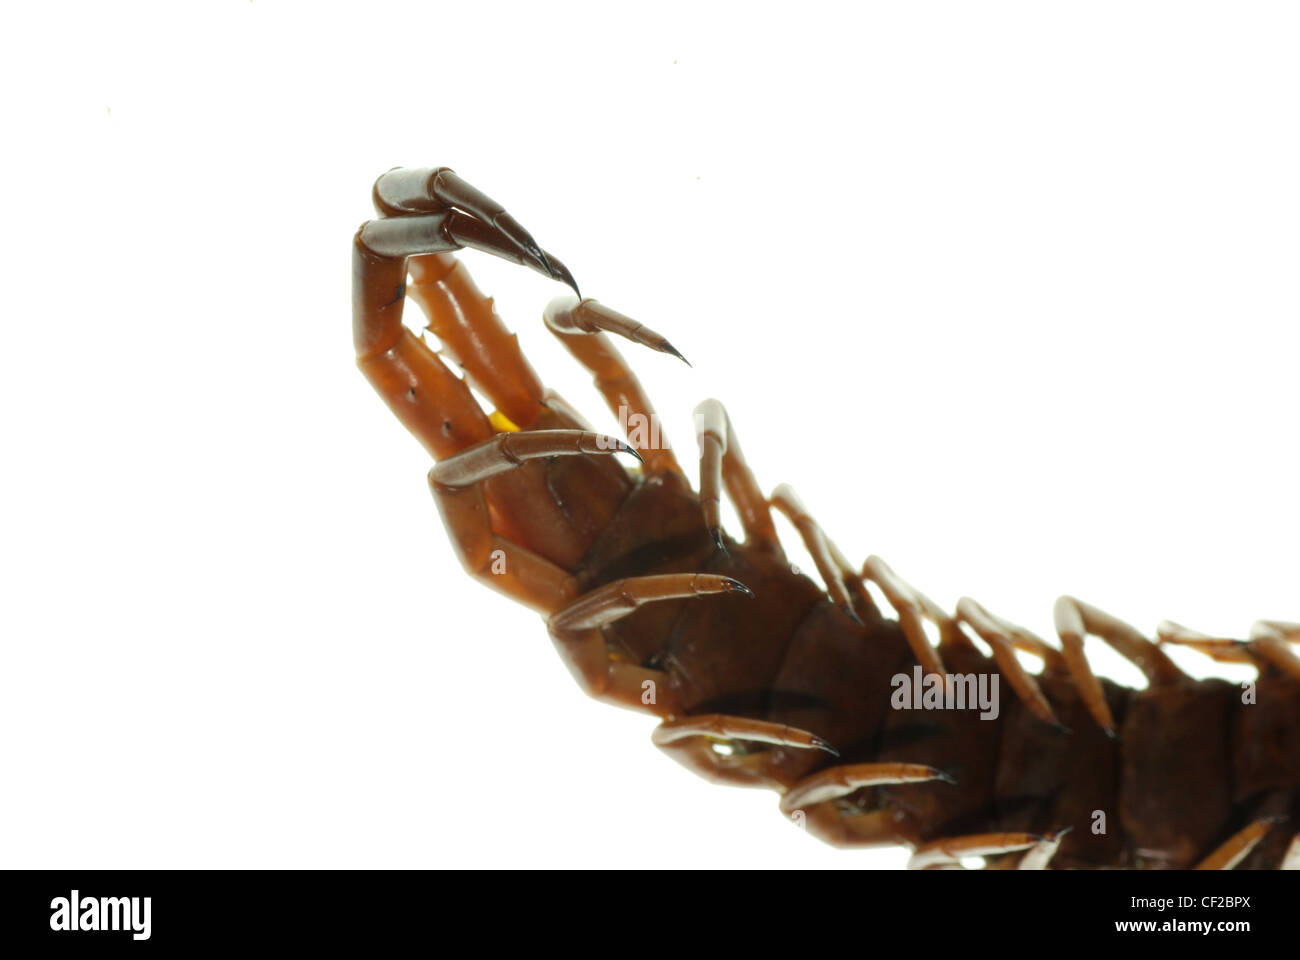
[1058, 834]
[821, 744]
[565, 277]
[852, 614]
[1062, 728]
[735, 586]
[716, 534]
[667, 347]
[628, 448]
[944, 776]
[1110, 733]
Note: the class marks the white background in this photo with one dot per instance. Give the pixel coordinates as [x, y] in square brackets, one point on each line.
[1005, 290]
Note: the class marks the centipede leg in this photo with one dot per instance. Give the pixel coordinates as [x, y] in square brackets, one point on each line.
[1269, 645]
[723, 464]
[1271, 639]
[576, 631]
[1237, 847]
[702, 744]
[581, 326]
[1075, 620]
[473, 335]
[812, 801]
[950, 851]
[1002, 641]
[1039, 856]
[913, 607]
[456, 483]
[836, 572]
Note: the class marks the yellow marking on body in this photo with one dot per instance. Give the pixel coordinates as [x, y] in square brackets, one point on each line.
[502, 423]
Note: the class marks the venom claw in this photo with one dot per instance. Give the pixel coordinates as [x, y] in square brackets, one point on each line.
[716, 534]
[513, 230]
[628, 448]
[735, 586]
[945, 777]
[560, 272]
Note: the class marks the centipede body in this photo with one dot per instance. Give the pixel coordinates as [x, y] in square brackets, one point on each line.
[628, 568]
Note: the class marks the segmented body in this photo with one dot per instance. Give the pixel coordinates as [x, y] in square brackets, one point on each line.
[641, 589]
[1191, 765]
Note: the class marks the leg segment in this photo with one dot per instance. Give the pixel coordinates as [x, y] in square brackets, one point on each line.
[912, 606]
[1238, 846]
[1075, 620]
[576, 631]
[723, 463]
[472, 335]
[1040, 854]
[1269, 644]
[1000, 639]
[835, 570]
[1270, 638]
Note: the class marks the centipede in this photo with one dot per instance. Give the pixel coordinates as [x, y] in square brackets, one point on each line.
[760, 676]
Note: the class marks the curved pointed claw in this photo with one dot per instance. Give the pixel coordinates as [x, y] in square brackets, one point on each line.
[565, 315]
[466, 231]
[473, 220]
[446, 185]
[560, 272]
